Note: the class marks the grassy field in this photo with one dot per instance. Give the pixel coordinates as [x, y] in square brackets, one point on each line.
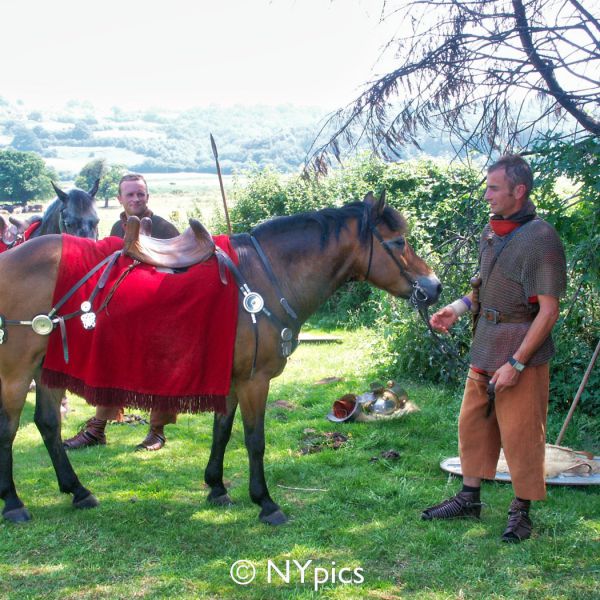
[354, 514]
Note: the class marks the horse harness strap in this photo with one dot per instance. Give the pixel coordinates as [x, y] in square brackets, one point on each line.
[45, 324]
[269, 271]
[253, 304]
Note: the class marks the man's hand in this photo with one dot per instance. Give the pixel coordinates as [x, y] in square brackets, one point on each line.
[443, 319]
[505, 377]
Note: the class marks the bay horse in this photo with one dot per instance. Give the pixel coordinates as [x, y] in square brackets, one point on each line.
[73, 212]
[310, 255]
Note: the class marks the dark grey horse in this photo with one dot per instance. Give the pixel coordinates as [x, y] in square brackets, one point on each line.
[73, 212]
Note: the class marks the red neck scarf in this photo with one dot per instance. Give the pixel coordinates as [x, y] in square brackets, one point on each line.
[501, 226]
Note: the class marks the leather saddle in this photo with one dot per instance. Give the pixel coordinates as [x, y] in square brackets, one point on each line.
[195, 245]
[9, 232]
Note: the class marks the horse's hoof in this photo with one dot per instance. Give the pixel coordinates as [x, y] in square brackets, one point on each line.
[275, 518]
[90, 501]
[17, 515]
[223, 500]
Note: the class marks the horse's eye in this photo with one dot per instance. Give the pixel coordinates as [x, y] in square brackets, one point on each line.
[398, 243]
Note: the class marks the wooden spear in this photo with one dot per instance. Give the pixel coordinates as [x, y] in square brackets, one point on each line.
[216, 155]
[582, 385]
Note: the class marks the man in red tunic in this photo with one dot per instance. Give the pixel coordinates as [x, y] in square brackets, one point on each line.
[133, 196]
[523, 274]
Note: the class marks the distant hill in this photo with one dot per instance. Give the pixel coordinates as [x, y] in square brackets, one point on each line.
[167, 141]
[162, 140]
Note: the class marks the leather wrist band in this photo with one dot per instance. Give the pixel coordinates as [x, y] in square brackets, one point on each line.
[460, 307]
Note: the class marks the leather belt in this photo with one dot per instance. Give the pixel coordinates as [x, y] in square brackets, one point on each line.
[495, 316]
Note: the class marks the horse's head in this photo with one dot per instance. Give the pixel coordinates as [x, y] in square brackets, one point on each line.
[78, 214]
[392, 264]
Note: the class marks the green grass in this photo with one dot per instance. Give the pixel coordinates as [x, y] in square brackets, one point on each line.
[154, 536]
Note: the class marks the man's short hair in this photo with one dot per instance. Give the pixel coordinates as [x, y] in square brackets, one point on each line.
[132, 177]
[517, 171]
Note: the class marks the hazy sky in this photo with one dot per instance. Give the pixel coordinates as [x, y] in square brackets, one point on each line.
[182, 53]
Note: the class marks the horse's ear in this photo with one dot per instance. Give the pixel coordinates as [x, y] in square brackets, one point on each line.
[94, 189]
[377, 206]
[380, 207]
[2, 225]
[369, 198]
[59, 192]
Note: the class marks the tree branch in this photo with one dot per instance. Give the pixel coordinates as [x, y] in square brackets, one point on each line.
[545, 69]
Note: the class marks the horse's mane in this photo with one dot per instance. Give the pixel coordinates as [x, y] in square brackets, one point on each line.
[332, 220]
[51, 213]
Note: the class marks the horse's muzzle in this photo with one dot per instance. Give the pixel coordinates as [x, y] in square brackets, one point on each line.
[426, 291]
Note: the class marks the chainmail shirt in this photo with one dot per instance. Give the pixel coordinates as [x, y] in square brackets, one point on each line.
[531, 264]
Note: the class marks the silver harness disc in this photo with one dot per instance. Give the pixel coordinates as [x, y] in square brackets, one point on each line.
[253, 302]
[42, 325]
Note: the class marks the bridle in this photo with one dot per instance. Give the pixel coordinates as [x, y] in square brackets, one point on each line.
[419, 296]
[62, 226]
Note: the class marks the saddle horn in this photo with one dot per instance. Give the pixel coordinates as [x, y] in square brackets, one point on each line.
[146, 226]
[194, 245]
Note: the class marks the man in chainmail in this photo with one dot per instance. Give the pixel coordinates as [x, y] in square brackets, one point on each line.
[133, 196]
[522, 276]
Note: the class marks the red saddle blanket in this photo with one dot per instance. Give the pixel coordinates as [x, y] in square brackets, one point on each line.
[164, 340]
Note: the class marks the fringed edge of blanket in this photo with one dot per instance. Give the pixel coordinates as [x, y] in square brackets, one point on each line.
[118, 397]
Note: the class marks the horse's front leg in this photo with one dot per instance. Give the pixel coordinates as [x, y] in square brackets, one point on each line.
[12, 399]
[47, 420]
[252, 396]
[213, 474]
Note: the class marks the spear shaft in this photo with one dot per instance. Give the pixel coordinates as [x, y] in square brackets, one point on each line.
[216, 155]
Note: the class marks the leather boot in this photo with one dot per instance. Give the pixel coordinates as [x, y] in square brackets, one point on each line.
[519, 524]
[463, 505]
[91, 435]
[154, 441]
